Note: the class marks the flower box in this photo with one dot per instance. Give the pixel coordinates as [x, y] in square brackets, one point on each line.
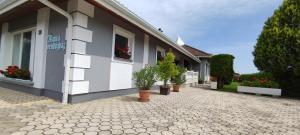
[258, 90]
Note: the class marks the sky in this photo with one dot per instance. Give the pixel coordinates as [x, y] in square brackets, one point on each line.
[214, 26]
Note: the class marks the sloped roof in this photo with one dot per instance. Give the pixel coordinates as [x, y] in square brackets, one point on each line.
[197, 52]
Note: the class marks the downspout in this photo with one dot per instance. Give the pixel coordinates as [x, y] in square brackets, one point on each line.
[67, 59]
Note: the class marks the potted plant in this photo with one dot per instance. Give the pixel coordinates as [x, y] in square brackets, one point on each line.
[145, 79]
[178, 79]
[166, 69]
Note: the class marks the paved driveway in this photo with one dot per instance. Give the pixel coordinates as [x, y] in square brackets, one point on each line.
[191, 111]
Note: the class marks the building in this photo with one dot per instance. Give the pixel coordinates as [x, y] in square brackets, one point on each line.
[79, 50]
[204, 71]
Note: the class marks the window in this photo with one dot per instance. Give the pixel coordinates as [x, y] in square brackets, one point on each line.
[22, 44]
[123, 44]
[187, 64]
[160, 54]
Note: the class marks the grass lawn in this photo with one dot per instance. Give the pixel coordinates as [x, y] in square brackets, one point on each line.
[231, 87]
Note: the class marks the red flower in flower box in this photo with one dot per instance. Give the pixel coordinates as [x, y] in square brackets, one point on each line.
[15, 72]
[122, 52]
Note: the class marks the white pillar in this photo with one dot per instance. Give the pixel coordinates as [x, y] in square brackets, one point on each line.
[146, 51]
[5, 47]
[41, 47]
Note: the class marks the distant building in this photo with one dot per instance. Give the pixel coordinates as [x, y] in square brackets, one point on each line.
[204, 71]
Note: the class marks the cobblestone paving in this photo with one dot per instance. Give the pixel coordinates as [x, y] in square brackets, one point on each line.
[191, 111]
[14, 106]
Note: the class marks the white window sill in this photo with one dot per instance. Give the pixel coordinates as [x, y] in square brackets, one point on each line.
[17, 81]
[123, 61]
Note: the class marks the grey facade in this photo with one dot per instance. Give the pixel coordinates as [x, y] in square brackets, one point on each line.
[94, 76]
[55, 58]
[100, 49]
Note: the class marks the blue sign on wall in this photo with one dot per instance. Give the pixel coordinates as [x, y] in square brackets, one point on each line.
[55, 42]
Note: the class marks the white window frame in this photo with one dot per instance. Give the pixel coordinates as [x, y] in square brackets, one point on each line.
[33, 34]
[131, 39]
[158, 48]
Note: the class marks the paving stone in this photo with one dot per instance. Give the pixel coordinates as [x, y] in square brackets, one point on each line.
[57, 126]
[65, 130]
[19, 133]
[78, 129]
[42, 127]
[105, 127]
[116, 127]
[77, 134]
[117, 132]
[90, 133]
[155, 133]
[140, 130]
[27, 128]
[105, 132]
[35, 132]
[93, 129]
[51, 131]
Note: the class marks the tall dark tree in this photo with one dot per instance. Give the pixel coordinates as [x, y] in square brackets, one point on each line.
[221, 66]
[278, 47]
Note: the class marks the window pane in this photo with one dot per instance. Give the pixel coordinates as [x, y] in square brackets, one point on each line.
[122, 48]
[26, 50]
[16, 49]
[159, 56]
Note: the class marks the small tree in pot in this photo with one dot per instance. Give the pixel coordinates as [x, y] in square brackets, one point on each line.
[178, 79]
[166, 69]
[145, 79]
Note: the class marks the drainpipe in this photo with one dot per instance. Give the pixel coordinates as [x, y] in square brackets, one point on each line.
[67, 60]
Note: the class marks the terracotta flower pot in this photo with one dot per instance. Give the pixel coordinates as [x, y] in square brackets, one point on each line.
[144, 95]
[176, 87]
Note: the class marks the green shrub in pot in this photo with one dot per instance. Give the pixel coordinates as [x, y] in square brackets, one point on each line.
[166, 69]
[145, 79]
[179, 79]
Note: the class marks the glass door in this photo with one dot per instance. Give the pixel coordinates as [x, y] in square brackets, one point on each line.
[23, 46]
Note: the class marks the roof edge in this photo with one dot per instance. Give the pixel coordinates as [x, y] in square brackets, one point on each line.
[209, 55]
[7, 5]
